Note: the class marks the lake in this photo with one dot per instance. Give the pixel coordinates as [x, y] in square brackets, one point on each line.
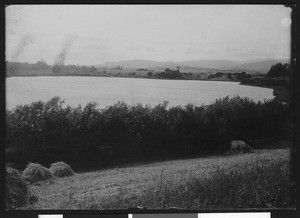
[108, 90]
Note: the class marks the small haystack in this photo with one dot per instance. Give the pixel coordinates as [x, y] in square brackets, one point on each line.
[16, 189]
[61, 169]
[240, 147]
[35, 172]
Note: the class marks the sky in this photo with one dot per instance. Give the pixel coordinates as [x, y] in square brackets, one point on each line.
[95, 34]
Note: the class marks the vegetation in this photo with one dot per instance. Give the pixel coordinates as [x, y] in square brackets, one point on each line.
[279, 69]
[89, 136]
[16, 189]
[143, 69]
[169, 74]
[149, 74]
[263, 184]
[266, 82]
[280, 78]
[176, 74]
[100, 189]
[61, 169]
[231, 76]
[42, 69]
[35, 172]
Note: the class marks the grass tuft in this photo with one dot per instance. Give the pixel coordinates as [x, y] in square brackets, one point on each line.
[61, 169]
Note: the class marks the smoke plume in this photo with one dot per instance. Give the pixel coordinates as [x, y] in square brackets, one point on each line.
[61, 57]
[25, 41]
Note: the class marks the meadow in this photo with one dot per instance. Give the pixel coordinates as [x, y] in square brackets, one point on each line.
[261, 179]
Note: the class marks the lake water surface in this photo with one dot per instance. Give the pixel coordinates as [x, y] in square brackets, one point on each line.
[107, 90]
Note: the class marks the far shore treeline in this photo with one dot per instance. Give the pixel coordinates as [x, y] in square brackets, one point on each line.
[86, 137]
[41, 68]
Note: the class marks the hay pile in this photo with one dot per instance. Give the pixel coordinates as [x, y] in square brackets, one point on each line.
[239, 147]
[16, 189]
[35, 172]
[61, 169]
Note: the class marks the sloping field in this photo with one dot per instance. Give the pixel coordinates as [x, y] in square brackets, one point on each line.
[104, 183]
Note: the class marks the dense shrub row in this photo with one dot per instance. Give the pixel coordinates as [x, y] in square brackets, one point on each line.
[45, 132]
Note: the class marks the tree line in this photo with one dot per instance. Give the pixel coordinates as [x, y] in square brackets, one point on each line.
[280, 77]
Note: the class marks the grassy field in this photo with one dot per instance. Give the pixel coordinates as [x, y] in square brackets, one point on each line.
[153, 185]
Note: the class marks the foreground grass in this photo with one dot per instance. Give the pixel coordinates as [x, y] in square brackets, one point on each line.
[258, 180]
[263, 185]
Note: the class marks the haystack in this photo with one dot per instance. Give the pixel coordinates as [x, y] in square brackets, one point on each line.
[35, 172]
[16, 189]
[61, 169]
[240, 147]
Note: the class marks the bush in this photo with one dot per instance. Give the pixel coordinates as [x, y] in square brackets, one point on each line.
[61, 169]
[16, 189]
[35, 172]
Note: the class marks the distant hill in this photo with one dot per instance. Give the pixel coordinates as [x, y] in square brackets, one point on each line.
[138, 64]
[262, 66]
[257, 66]
[215, 64]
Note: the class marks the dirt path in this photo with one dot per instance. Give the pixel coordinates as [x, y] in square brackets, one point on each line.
[135, 179]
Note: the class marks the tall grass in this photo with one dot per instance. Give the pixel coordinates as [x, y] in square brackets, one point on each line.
[263, 185]
[52, 131]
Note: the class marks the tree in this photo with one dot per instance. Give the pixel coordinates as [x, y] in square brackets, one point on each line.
[279, 69]
[41, 65]
[93, 69]
[56, 68]
[242, 76]
[149, 74]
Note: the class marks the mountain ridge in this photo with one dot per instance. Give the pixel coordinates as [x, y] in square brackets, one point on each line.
[259, 65]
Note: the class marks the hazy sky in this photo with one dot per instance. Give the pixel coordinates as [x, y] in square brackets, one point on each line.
[94, 34]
